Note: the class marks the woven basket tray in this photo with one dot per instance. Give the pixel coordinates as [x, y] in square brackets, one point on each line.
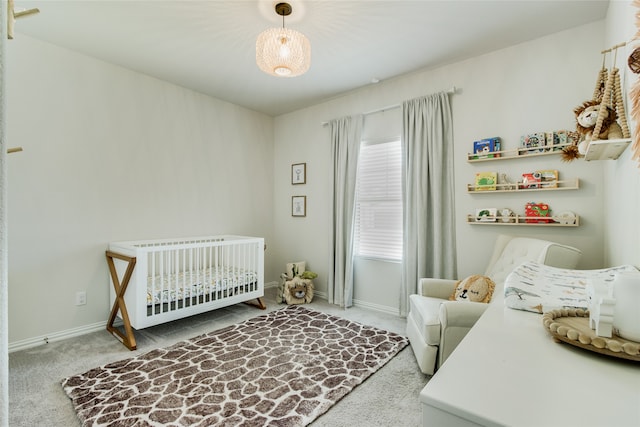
[572, 326]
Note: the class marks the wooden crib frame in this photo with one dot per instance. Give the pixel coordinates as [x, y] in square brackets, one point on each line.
[157, 281]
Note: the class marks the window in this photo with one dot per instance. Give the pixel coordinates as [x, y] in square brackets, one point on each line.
[378, 205]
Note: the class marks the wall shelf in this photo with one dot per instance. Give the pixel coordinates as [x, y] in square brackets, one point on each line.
[519, 153]
[572, 184]
[521, 220]
[606, 149]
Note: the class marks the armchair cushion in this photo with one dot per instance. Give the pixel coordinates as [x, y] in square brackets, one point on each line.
[453, 314]
[425, 311]
[436, 288]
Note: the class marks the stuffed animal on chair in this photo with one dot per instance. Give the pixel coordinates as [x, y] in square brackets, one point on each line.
[474, 288]
[298, 291]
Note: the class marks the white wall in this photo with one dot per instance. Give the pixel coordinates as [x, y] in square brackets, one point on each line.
[526, 88]
[622, 177]
[110, 154]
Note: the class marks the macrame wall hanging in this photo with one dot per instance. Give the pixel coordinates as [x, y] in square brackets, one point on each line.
[634, 93]
[603, 116]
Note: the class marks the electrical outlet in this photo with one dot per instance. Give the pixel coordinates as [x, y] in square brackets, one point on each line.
[81, 298]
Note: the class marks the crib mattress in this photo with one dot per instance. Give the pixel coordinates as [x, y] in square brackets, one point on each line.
[168, 288]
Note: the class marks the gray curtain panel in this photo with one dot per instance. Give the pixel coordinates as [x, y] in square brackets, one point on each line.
[345, 148]
[429, 248]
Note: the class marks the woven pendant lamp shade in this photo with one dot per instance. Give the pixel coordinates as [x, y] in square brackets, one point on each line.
[283, 52]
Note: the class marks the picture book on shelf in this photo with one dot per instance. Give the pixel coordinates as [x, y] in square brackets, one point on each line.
[486, 148]
[548, 178]
[532, 143]
[486, 181]
[530, 180]
[486, 214]
[537, 213]
[556, 140]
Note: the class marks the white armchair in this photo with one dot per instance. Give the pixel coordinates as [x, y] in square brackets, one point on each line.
[435, 325]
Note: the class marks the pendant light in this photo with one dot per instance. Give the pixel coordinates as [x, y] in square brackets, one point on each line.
[283, 52]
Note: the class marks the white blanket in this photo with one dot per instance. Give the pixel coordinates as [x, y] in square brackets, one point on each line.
[540, 288]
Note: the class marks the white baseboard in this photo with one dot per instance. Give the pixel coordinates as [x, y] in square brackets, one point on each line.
[99, 326]
[75, 332]
[57, 336]
[368, 305]
[273, 284]
[376, 307]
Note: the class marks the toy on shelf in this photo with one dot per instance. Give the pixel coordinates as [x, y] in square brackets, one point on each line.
[504, 183]
[537, 213]
[565, 218]
[507, 216]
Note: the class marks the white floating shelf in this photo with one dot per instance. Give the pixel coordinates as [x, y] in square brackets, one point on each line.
[606, 149]
[523, 221]
[518, 153]
[573, 184]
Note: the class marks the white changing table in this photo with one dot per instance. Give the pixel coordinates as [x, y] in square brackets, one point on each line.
[508, 371]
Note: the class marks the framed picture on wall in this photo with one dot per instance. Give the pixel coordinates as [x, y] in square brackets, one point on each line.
[298, 205]
[299, 173]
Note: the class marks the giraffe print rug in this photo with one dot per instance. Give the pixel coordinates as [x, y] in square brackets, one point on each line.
[284, 368]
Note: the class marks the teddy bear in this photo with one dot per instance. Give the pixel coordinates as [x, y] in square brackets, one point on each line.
[474, 288]
[298, 291]
[586, 118]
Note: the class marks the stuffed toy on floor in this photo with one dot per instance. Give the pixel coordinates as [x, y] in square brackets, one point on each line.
[296, 286]
[298, 291]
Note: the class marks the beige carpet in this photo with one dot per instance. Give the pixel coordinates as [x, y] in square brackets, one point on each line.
[390, 397]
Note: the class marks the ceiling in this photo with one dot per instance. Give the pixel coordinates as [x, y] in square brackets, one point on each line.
[209, 46]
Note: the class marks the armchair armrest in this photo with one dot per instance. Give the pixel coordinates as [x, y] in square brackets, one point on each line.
[460, 314]
[437, 288]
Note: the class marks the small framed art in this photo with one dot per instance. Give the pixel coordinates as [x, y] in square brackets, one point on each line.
[298, 205]
[299, 173]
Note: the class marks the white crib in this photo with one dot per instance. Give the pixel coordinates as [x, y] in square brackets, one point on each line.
[157, 281]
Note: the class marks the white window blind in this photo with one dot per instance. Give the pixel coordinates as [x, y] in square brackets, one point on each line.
[378, 221]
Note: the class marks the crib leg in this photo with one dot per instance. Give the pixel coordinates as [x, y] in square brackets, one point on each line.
[127, 338]
[259, 303]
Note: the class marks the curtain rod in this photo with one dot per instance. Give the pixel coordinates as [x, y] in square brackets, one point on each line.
[450, 91]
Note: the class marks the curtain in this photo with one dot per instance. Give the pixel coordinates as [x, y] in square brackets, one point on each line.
[428, 188]
[345, 147]
[4, 329]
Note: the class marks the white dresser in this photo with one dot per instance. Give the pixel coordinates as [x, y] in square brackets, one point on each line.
[508, 371]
